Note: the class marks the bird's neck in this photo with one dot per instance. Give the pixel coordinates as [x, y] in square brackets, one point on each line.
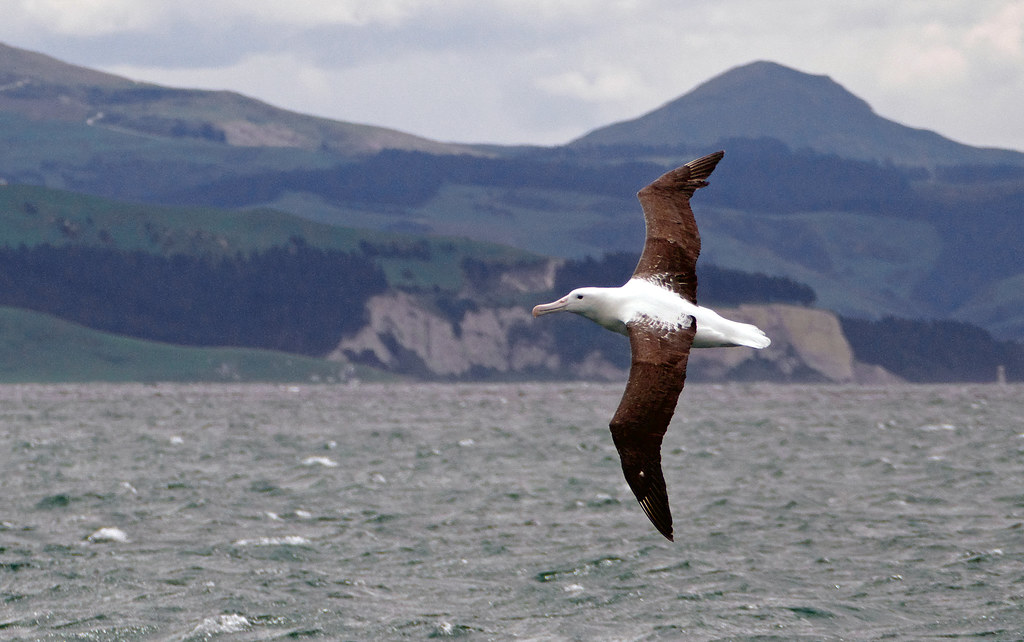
[607, 310]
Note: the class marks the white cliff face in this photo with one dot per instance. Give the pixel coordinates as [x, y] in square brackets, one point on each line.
[406, 335]
[801, 337]
[482, 340]
[805, 343]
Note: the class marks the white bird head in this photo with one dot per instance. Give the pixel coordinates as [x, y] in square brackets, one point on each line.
[597, 304]
[578, 301]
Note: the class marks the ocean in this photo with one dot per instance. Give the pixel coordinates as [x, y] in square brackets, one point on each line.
[499, 512]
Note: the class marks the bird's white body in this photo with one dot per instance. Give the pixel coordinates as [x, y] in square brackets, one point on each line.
[613, 308]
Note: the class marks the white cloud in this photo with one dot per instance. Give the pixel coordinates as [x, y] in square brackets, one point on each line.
[915, 65]
[101, 17]
[1002, 32]
[319, 12]
[604, 85]
[84, 17]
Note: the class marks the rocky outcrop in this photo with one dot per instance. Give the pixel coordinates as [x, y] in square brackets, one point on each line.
[406, 334]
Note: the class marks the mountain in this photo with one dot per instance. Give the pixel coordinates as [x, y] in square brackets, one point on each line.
[768, 100]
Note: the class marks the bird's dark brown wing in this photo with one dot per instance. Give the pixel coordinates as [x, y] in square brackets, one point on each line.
[673, 243]
[655, 380]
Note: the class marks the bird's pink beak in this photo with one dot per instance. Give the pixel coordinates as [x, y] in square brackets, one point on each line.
[554, 306]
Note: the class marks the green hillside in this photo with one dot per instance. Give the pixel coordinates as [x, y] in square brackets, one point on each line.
[35, 347]
[33, 215]
[39, 348]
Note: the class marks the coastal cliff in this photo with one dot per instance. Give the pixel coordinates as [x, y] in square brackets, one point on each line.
[404, 335]
[407, 335]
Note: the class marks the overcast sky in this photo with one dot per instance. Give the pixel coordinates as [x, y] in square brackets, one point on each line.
[546, 71]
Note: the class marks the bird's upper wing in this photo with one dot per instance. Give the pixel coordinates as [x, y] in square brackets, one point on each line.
[673, 243]
[655, 380]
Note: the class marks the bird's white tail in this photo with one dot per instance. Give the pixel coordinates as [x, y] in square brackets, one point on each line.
[752, 336]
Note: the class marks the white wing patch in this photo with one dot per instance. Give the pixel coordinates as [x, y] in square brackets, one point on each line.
[664, 327]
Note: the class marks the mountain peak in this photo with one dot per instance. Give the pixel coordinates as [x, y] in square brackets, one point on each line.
[762, 81]
[764, 99]
[756, 100]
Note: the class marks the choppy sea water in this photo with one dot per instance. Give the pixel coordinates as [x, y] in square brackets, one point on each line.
[494, 512]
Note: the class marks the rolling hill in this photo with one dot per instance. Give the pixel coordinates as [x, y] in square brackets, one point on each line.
[70, 127]
[42, 88]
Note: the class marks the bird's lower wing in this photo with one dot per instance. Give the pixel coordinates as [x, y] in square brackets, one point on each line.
[655, 380]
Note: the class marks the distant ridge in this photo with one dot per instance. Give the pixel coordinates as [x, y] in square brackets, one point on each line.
[768, 100]
[46, 89]
[20, 65]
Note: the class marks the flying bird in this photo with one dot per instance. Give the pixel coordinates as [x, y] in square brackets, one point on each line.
[657, 309]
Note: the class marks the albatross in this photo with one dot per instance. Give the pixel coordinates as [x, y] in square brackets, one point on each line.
[657, 309]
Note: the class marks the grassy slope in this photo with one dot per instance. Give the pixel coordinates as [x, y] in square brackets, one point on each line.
[33, 215]
[856, 263]
[36, 347]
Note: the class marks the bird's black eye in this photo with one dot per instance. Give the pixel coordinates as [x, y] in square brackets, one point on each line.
[579, 296]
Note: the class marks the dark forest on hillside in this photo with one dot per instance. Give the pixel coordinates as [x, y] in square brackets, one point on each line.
[937, 351]
[761, 174]
[294, 298]
[715, 285]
